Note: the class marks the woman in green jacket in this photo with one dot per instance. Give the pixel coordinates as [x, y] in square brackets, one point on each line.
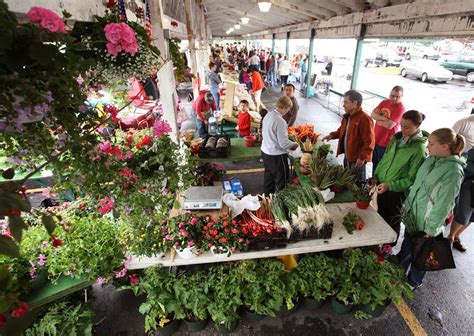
[432, 196]
[397, 170]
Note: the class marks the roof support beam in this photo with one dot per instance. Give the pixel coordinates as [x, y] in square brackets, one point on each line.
[305, 6]
[330, 5]
[294, 8]
[356, 5]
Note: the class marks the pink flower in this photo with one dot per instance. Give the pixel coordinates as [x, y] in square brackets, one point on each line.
[100, 281]
[165, 192]
[131, 48]
[126, 261]
[387, 249]
[113, 49]
[167, 237]
[160, 127]
[79, 79]
[106, 205]
[41, 260]
[133, 279]
[194, 220]
[121, 273]
[113, 33]
[46, 19]
[190, 243]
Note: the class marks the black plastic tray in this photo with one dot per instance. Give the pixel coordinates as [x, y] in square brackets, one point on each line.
[211, 153]
[268, 242]
[324, 233]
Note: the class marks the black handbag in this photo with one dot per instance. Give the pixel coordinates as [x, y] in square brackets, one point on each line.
[431, 254]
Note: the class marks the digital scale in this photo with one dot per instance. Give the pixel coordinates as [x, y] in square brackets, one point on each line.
[203, 198]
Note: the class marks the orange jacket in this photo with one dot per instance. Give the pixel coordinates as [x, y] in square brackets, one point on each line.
[257, 81]
[361, 138]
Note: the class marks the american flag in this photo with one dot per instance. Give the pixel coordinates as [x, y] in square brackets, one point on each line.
[148, 21]
[121, 10]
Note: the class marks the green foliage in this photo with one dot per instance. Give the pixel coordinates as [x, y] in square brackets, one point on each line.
[177, 58]
[363, 192]
[161, 304]
[64, 318]
[192, 290]
[262, 285]
[317, 275]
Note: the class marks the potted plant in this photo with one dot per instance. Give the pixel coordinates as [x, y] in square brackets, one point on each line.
[163, 311]
[184, 231]
[192, 292]
[262, 287]
[344, 177]
[317, 274]
[363, 194]
[224, 297]
[222, 235]
[349, 287]
[383, 280]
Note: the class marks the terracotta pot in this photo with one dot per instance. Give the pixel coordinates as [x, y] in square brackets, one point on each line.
[362, 205]
[304, 170]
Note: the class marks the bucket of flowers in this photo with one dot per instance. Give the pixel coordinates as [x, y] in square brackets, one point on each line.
[184, 231]
[222, 235]
[305, 136]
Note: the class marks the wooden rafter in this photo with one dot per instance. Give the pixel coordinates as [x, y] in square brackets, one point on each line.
[331, 5]
[304, 14]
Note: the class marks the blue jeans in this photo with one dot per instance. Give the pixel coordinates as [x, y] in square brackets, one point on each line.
[415, 277]
[302, 80]
[215, 94]
[201, 126]
[377, 156]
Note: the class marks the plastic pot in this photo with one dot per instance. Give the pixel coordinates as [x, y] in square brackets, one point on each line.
[375, 312]
[337, 188]
[340, 307]
[362, 205]
[196, 326]
[168, 329]
[284, 308]
[251, 316]
[187, 253]
[222, 330]
[220, 251]
[311, 304]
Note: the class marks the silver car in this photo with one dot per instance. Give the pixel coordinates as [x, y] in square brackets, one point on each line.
[426, 70]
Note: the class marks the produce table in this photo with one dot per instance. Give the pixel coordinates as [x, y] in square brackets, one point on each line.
[239, 152]
[376, 231]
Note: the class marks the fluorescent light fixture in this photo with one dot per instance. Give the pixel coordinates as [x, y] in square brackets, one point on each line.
[264, 6]
[244, 20]
[237, 26]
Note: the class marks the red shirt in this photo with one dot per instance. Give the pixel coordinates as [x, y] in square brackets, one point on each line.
[200, 105]
[244, 123]
[394, 112]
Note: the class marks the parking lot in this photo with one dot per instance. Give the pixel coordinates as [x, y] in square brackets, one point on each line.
[442, 103]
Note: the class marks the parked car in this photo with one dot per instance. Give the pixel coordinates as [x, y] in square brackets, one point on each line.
[384, 58]
[426, 70]
[422, 52]
[462, 65]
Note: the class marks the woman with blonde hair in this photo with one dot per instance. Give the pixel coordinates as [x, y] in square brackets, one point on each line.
[433, 193]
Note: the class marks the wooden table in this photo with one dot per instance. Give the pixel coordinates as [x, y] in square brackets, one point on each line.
[376, 231]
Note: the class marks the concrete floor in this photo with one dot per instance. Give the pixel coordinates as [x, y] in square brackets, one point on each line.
[443, 306]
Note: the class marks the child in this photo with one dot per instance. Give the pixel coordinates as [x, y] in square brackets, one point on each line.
[275, 147]
[243, 126]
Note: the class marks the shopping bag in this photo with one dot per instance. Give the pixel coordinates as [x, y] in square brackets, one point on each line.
[431, 254]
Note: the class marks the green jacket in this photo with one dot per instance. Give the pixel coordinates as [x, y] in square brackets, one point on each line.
[399, 166]
[432, 196]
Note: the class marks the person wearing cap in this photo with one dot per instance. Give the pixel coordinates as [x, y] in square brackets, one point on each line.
[201, 110]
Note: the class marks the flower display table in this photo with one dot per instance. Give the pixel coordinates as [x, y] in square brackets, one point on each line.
[376, 231]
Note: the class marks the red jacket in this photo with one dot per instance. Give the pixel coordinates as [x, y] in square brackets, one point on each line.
[257, 82]
[244, 123]
[200, 105]
[361, 139]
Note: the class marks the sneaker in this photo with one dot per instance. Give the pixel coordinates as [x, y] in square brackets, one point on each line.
[414, 287]
[459, 246]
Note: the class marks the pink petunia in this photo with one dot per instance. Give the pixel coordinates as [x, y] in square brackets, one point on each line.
[121, 273]
[160, 128]
[133, 279]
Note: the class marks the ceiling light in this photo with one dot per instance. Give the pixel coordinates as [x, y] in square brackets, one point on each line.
[237, 26]
[264, 6]
[244, 20]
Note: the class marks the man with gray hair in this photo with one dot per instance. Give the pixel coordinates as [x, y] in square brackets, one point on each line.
[355, 135]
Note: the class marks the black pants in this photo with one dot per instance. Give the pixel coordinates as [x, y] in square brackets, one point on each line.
[389, 204]
[284, 80]
[277, 173]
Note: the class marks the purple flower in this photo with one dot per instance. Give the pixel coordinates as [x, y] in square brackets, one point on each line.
[49, 97]
[79, 79]
[82, 108]
[121, 273]
[100, 281]
[41, 260]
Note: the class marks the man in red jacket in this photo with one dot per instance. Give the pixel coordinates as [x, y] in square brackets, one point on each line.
[201, 110]
[356, 133]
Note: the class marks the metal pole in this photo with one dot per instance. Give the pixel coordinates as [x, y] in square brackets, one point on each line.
[357, 57]
[273, 44]
[310, 62]
[287, 50]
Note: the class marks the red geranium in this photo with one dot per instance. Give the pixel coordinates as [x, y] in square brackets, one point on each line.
[22, 309]
[56, 242]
